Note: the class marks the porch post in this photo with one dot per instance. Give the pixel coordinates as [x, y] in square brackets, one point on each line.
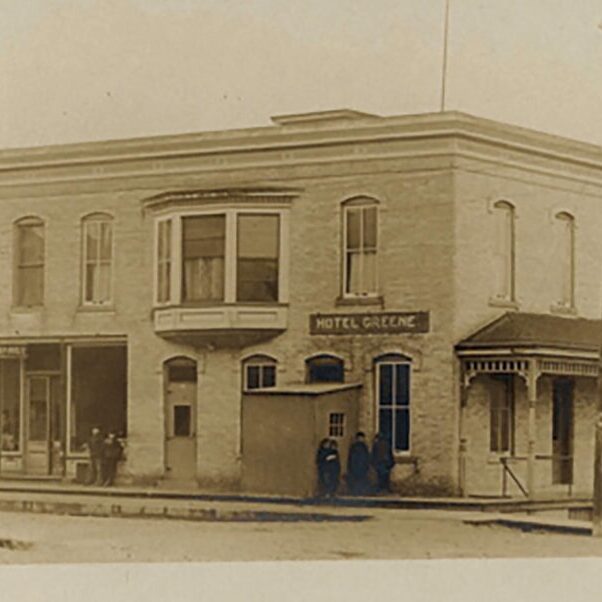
[597, 493]
[532, 378]
[462, 448]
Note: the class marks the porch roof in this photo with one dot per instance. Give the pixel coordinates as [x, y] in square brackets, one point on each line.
[521, 330]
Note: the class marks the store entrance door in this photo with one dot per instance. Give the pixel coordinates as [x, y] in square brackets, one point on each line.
[180, 414]
[37, 444]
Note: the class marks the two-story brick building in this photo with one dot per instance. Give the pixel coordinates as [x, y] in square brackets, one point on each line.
[445, 266]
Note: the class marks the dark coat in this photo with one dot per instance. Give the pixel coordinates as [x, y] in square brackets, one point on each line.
[382, 455]
[96, 445]
[358, 460]
[112, 451]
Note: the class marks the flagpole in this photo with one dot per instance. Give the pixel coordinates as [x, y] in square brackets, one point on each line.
[444, 62]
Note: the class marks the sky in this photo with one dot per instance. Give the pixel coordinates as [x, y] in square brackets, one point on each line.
[79, 70]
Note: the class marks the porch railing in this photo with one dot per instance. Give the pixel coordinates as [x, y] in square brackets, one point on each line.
[508, 473]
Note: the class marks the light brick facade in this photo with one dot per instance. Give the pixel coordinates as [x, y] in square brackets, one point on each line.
[434, 177]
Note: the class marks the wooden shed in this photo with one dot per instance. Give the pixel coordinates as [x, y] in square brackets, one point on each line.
[282, 428]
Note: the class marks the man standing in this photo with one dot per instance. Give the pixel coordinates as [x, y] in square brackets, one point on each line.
[358, 465]
[95, 444]
[112, 452]
[383, 462]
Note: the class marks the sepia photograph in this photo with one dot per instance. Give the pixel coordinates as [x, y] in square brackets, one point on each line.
[313, 284]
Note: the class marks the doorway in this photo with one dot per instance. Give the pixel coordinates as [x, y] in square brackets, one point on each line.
[562, 432]
[180, 419]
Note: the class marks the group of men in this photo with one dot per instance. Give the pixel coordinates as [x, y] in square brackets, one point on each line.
[105, 454]
[360, 461]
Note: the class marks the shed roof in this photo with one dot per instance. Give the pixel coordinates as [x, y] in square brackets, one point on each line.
[311, 389]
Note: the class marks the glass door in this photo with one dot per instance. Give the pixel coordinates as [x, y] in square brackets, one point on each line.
[37, 460]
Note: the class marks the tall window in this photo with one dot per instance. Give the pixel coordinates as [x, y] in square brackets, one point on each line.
[325, 369]
[504, 251]
[203, 255]
[501, 414]
[164, 261]
[97, 259]
[564, 224]
[29, 281]
[360, 222]
[393, 391]
[257, 258]
[259, 372]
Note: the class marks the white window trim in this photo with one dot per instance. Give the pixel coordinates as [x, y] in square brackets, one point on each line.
[103, 218]
[260, 362]
[507, 207]
[231, 245]
[342, 425]
[348, 205]
[378, 364]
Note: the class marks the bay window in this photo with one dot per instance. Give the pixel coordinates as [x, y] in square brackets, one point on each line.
[219, 257]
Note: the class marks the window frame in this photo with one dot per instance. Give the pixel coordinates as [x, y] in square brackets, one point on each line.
[336, 429]
[505, 208]
[509, 409]
[231, 214]
[317, 356]
[359, 203]
[394, 359]
[25, 222]
[260, 361]
[97, 218]
[567, 281]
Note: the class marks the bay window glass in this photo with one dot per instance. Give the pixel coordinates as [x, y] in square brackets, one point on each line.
[203, 257]
[257, 258]
[98, 259]
[164, 261]
[29, 285]
[360, 247]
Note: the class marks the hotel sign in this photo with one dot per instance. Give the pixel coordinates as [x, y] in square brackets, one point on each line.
[374, 323]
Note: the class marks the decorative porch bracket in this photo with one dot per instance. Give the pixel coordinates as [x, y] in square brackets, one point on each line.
[530, 369]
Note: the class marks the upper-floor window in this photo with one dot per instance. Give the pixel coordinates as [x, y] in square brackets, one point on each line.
[29, 272]
[203, 257]
[505, 254]
[230, 256]
[564, 259]
[360, 236]
[97, 259]
[325, 368]
[259, 372]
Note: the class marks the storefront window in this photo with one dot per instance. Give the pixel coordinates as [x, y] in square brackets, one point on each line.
[10, 379]
[98, 392]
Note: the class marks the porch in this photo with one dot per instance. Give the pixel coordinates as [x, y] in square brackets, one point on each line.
[528, 406]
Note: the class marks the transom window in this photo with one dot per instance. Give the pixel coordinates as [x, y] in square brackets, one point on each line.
[504, 252]
[325, 369]
[232, 256]
[393, 400]
[97, 259]
[259, 372]
[360, 225]
[29, 273]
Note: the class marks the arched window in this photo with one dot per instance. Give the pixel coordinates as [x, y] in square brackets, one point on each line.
[97, 259]
[259, 372]
[325, 368]
[29, 262]
[360, 242]
[564, 259]
[504, 268]
[392, 377]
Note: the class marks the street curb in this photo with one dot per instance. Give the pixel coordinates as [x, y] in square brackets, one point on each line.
[533, 525]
